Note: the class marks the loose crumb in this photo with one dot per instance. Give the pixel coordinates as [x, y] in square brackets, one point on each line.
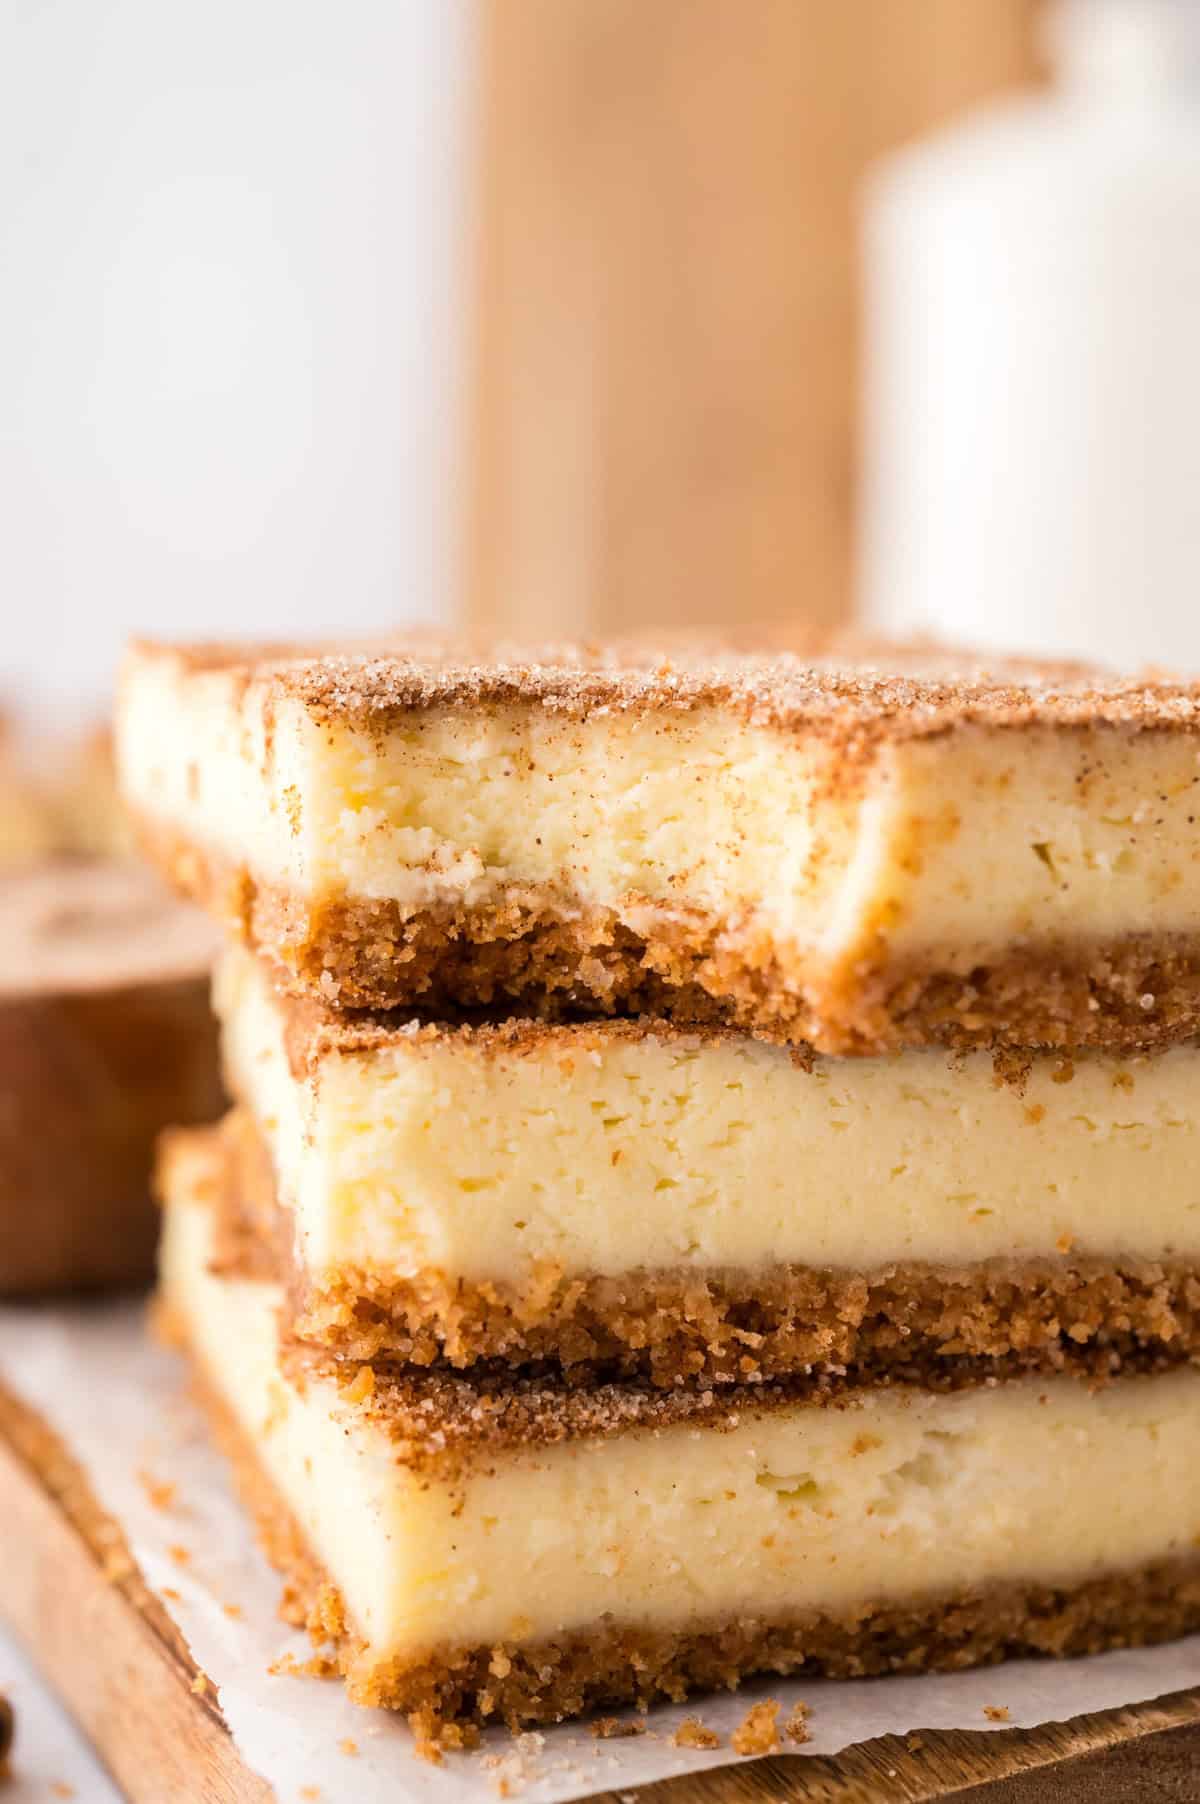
[318, 1666]
[117, 1566]
[233, 1611]
[796, 1727]
[200, 1684]
[347, 1746]
[161, 1492]
[996, 1713]
[180, 1555]
[425, 1748]
[172, 1596]
[432, 1740]
[511, 1772]
[310, 1791]
[361, 1386]
[758, 1731]
[61, 1789]
[692, 1733]
[604, 1728]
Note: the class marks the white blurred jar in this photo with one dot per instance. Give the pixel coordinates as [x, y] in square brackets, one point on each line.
[1032, 346]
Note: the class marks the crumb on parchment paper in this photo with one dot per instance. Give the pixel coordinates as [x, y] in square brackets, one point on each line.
[758, 1731]
[510, 1773]
[692, 1733]
[796, 1729]
[996, 1713]
[605, 1728]
[160, 1492]
[432, 1740]
[317, 1666]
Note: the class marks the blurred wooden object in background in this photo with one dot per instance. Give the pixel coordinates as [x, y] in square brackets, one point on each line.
[663, 412]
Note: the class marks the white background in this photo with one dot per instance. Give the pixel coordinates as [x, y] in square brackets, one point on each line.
[232, 240]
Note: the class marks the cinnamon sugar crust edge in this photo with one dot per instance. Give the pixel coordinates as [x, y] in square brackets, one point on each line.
[846, 684]
[453, 1691]
[925, 1323]
[555, 960]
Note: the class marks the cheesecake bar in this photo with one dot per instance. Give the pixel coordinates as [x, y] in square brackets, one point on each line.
[696, 1203]
[511, 1549]
[106, 1037]
[860, 854]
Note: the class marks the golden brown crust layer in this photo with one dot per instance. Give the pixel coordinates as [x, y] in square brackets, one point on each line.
[844, 685]
[1089, 1316]
[614, 1663]
[1133, 994]
[918, 1322]
[88, 1081]
[312, 1030]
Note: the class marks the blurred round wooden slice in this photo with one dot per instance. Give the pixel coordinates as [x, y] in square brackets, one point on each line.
[106, 1037]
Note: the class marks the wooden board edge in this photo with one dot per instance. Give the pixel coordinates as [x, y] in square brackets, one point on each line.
[71, 1591]
[923, 1766]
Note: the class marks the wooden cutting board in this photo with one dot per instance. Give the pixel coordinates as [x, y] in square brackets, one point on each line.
[70, 1590]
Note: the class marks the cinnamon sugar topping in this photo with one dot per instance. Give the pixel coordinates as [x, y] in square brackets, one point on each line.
[846, 684]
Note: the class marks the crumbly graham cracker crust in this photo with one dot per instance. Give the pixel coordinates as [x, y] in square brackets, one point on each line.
[1086, 1315]
[555, 959]
[729, 1328]
[454, 1690]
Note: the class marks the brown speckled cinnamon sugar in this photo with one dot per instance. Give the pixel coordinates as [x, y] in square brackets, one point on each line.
[854, 685]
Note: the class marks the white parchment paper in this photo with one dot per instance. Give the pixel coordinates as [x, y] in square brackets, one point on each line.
[119, 1402]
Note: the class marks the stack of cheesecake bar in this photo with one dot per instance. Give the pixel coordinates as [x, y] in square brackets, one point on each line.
[714, 1184]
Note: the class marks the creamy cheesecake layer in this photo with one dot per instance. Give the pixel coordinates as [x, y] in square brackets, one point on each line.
[706, 1202]
[451, 1521]
[819, 849]
[610, 1148]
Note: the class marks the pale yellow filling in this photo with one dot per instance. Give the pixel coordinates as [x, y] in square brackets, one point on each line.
[604, 1154]
[904, 1495]
[952, 847]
